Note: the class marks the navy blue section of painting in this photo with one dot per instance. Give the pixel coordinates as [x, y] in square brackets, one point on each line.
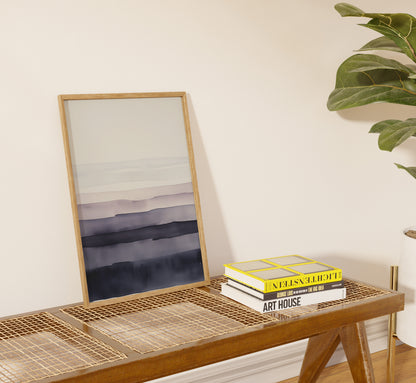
[135, 252]
[167, 230]
[126, 278]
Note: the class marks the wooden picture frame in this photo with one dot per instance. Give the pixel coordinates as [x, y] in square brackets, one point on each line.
[134, 194]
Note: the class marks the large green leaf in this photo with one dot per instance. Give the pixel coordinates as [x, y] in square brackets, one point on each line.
[365, 63]
[410, 170]
[399, 27]
[380, 126]
[401, 30]
[394, 132]
[381, 43]
[364, 79]
[348, 10]
[345, 9]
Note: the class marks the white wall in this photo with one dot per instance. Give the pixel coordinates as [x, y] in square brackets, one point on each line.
[278, 173]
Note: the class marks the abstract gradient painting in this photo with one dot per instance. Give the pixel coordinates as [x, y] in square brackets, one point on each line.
[134, 194]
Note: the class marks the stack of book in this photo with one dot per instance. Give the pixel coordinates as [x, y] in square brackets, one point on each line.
[284, 282]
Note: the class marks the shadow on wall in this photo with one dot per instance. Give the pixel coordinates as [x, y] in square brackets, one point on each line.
[377, 274]
[216, 235]
[374, 113]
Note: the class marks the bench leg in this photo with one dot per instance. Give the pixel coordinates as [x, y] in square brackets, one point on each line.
[318, 352]
[321, 347]
[354, 341]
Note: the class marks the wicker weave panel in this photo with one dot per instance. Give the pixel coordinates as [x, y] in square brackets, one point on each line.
[172, 319]
[39, 346]
[168, 320]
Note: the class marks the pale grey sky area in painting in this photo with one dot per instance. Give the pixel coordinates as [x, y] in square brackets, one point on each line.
[114, 130]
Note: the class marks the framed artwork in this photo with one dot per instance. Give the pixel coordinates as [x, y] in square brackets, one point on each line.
[134, 194]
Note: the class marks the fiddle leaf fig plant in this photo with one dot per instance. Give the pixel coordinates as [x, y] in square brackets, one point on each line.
[366, 78]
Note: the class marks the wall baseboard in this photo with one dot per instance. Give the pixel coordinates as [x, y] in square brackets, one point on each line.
[272, 365]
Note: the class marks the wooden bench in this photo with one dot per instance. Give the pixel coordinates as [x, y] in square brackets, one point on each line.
[152, 337]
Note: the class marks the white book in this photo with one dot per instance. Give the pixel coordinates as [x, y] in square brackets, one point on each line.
[284, 293]
[282, 303]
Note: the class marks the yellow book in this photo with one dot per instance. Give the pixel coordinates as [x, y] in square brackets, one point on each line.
[282, 273]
